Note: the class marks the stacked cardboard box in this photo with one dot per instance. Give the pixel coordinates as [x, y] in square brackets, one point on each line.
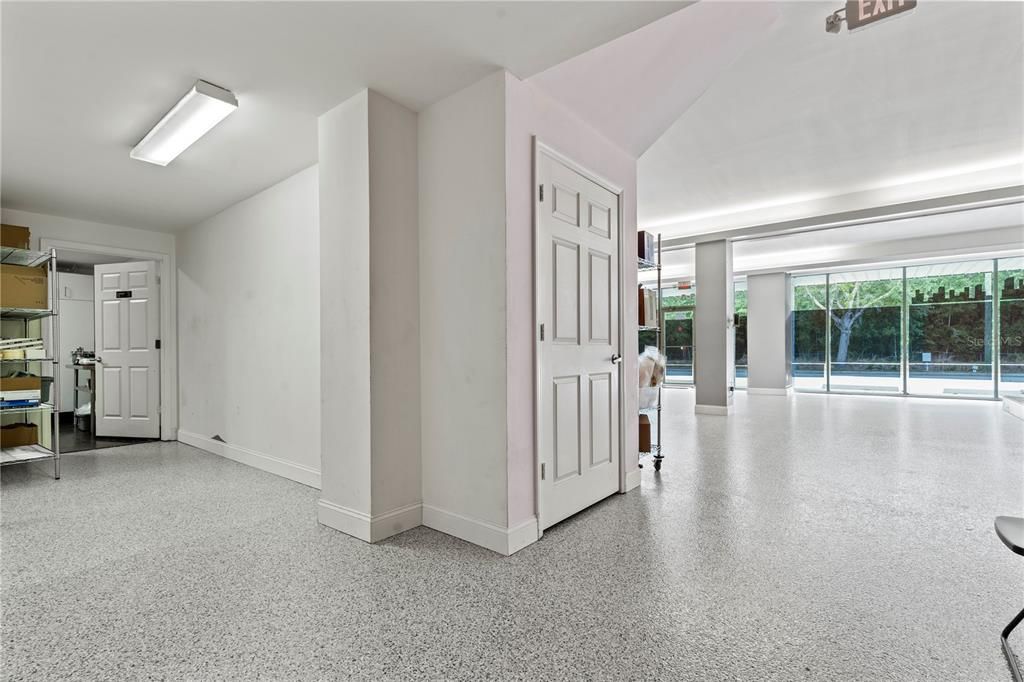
[14, 236]
[22, 287]
[20, 388]
[15, 435]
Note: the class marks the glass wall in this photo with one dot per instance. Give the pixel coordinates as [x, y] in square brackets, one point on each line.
[947, 329]
[740, 310]
[865, 314]
[678, 304]
[1010, 290]
[679, 347]
[810, 332]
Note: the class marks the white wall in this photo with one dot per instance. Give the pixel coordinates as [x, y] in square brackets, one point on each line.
[249, 314]
[530, 112]
[77, 328]
[462, 295]
[122, 241]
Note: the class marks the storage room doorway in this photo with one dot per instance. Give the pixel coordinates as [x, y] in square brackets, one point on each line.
[81, 275]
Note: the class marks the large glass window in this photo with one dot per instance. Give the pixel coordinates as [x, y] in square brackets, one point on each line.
[809, 332]
[865, 310]
[1010, 284]
[946, 329]
[949, 329]
[678, 303]
[740, 336]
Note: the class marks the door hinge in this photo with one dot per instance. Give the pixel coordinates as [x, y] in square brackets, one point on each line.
[158, 344]
[542, 472]
[542, 192]
[541, 331]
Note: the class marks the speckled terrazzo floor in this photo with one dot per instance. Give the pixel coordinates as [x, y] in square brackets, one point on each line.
[814, 537]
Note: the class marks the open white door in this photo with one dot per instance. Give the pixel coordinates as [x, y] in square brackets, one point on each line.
[579, 362]
[127, 333]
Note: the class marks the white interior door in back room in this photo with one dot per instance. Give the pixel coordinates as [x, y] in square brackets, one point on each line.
[578, 271]
[127, 329]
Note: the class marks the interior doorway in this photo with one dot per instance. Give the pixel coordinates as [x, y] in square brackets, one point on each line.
[80, 271]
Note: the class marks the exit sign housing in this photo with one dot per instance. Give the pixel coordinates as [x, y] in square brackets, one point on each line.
[861, 13]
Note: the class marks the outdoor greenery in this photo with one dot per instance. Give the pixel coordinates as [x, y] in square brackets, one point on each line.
[950, 319]
[949, 322]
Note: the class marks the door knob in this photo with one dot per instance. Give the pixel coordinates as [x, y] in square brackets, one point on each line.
[616, 359]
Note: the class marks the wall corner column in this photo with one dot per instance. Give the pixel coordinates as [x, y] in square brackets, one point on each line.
[714, 334]
[370, 427]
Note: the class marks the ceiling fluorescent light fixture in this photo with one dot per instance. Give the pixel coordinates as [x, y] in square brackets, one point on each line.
[202, 107]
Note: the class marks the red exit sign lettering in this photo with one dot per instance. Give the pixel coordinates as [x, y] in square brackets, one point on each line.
[863, 12]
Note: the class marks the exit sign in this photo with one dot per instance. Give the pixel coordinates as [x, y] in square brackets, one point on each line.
[864, 12]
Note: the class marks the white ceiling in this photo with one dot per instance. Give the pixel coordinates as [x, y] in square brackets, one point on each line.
[990, 230]
[84, 81]
[807, 123]
[633, 88]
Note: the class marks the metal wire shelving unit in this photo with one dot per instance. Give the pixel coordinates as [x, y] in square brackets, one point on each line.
[656, 451]
[46, 409]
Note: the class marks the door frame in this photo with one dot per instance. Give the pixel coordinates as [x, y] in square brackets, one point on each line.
[168, 321]
[540, 147]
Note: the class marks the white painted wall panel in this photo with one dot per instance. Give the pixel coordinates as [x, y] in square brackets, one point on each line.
[463, 302]
[249, 306]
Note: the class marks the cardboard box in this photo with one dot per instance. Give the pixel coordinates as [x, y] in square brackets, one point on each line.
[20, 384]
[15, 236]
[645, 433]
[22, 287]
[13, 435]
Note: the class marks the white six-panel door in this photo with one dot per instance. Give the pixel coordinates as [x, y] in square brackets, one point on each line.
[127, 329]
[578, 357]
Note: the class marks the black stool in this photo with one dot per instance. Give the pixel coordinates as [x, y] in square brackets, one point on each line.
[1010, 530]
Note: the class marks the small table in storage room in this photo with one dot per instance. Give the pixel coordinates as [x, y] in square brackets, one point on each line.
[89, 389]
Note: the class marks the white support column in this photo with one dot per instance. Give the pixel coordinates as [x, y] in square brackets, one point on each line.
[769, 333]
[714, 333]
[369, 318]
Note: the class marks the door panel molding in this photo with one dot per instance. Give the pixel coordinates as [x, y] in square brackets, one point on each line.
[596, 445]
[127, 328]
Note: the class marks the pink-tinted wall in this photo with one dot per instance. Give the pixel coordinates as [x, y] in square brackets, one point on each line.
[530, 111]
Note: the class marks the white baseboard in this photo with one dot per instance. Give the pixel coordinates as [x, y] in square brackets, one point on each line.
[526, 533]
[769, 391]
[274, 465]
[1014, 406]
[504, 541]
[348, 521]
[713, 409]
[632, 480]
[365, 527]
[395, 521]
